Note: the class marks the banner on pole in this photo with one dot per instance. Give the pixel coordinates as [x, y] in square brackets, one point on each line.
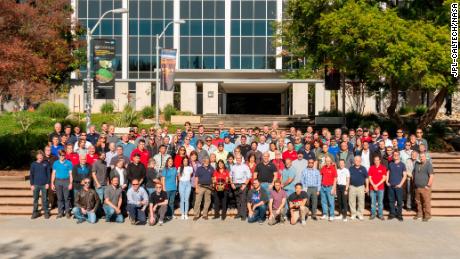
[105, 63]
[168, 68]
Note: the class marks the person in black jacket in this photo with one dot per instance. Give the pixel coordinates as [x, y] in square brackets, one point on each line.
[80, 172]
[136, 170]
[39, 182]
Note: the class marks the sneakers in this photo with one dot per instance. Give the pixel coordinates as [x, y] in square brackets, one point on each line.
[68, 215]
[185, 217]
[261, 222]
[361, 218]
[323, 217]
[426, 219]
[331, 218]
[381, 217]
[372, 217]
[314, 218]
[417, 217]
[34, 216]
[195, 218]
[182, 217]
[47, 215]
[205, 217]
[59, 216]
[304, 222]
[390, 217]
[79, 221]
[400, 218]
[160, 223]
[344, 219]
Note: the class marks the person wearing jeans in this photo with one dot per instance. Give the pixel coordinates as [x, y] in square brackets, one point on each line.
[137, 203]
[39, 183]
[99, 175]
[257, 200]
[377, 178]
[311, 181]
[113, 201]
[169, 182]
[185, 186]
[240, 175]
[396, 176]
[328, 188]
[61, 182]
[86, 204]
[343, 183]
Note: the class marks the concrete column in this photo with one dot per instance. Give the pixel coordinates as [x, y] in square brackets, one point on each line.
[188, 99]
[319, 98]
[299, 98]
[176, 30]
[279, 18]
[327, 100]
[143, 95]
[121, 95]
[166, 97]
[210, 98]
[124, 41]
[76, 99]
[228, 13]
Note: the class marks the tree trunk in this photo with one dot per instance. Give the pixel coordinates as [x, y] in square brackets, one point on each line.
[430, 115]
[391, 110]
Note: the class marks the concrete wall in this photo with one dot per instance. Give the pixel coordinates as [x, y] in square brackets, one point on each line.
[322, 98]
[299, 98]
[210, 98]
[188, 97]
[166, 97]
[143, 95]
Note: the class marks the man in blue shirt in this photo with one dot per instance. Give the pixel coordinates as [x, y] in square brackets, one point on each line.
[359, 185]
[203, 181]
[257, 200]
[39, 182]
[287, 179]
[401, 139]
[56, 146]
[228, 145]
[311, 181]
[61, 182]
[396, 177]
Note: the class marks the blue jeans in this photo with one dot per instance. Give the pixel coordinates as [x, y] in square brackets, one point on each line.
[136, 213]
[259, 214]
[171, 198]
[63, 195]
[90, 216]
[377, 197]
[185, 188]
[37, 190]
[395, 195]
[100, 192]
[327, 201]
[288, 192]
[150, 190]
[110, 215]
[265, 187]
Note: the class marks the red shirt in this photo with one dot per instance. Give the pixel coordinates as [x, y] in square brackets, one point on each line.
[279, 164]
[328, 174]
[90, 159]
[377, 173]
[145, 156]
[221, 177]
[216, 141]
[367, 139]
[178, 161]
[290, 154]
[73, 157]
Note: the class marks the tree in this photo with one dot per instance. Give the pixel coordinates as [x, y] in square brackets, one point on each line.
[36, 48]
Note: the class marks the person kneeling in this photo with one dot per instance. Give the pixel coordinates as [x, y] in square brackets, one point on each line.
[113, 201]
[158, 205]
[257, 199]
[297, 205]
[137, 203]
[86, 204]
[277, 204]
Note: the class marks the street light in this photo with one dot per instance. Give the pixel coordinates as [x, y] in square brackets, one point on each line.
[89, 34]
[157, 81]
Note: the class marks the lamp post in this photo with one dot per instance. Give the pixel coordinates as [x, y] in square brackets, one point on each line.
[89, 34]
[157, 75]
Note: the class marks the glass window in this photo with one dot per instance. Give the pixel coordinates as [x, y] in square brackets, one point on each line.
[208, 45]
[270, 28]
[91, 23]
[93, 9]
[271, 62]
[133, 9]
[168, 42]
[118, 57]
[118, 45]
[208, 7]
[116, 4]
[195, 9]
[195, 62]
[106, 6]
[270, 47]
[259, 45]
[144, 27]
[246, 10]
[184, 10]
[157, 9]
[246, 62]
[271, 10]
[246, 28]
[184, 62]
[208, 27]
[220, 28]
[235, 62]
[208, 62]
[220, 45]
[82, 5]
[235, 28]
[106, 27]
[259, 62]
[195, 45]
[185, 29]
[144, 45]
[195, 28]
[157, 27]
[259, 10]
[260, 28]
[168, 10]
[246, 45]
[133, 30]
[235, 45]
[133, 65]
[133, 45]
[184, 45]
[220, 10]
[117, 27]
[220, 62]
[235, 10]
[170, 30]
[145, 9]
[144, 63]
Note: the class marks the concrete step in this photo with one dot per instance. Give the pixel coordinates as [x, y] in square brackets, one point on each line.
[445, 203]
[13, 178]
[20, 210]
[446, 166]
[445, 195]
[14, 185]
[15, 193]
[17, 201]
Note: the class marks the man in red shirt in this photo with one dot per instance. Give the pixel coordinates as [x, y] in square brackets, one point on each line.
[92, 156]
[73, 157]
[278, 162]
[143, 153]
[328, 183]
[377, 177]
[290, 152]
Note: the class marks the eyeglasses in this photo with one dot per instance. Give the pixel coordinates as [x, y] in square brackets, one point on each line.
[86, 182]
[135, 184]
[385, 135]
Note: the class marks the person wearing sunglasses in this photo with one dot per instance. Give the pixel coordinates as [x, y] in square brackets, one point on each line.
[158, 205]
[138, 200]
[61, 183]
[86, 203]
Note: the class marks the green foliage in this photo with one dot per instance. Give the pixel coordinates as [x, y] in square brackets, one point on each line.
[24, 144]
[53, 110]
[168, 111]
[107, 108]
[24, 120]
[127, 118]
[148, 112]
[420, 110]
[404, 110]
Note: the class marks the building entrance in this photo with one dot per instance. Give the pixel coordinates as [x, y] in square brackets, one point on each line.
[254, 103]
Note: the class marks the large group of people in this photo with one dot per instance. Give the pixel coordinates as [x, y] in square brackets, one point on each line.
[266, 174]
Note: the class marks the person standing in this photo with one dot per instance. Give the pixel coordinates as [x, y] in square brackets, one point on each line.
[343, 183]
[203, 181]
[152, 177]
[396, 176]
[276, 205]
[185, 186]
[169, 181]
[266, 173]
[298, 205]
[158, 205]
[287, 178]
[100, 176]
[359, 186]
[423, 180]
[299, 165]
[86, 203]
[257, 200]
[39, 183]
[113, 201]
[311, 181]
[240, 175]
[160, 158]
[136, 170]
[377, 178]
[220, 179]
[328, 188]
[137, 203]
[142, 152]
[61, 182]
[80, 172]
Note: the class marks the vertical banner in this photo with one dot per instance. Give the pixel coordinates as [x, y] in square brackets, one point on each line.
[105, 64]
[168, 68]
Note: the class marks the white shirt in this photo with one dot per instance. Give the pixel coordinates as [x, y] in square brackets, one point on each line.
[186, 175]
[122, 176]
[342, 175]
[365, 159]
[263, 147]
[240, 173]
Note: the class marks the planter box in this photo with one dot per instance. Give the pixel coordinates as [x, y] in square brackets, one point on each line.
[181, 119]
[121, 130]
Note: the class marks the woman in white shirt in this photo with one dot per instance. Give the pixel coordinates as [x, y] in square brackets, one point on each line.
[343, 181]
[185, 186]
[120, 171]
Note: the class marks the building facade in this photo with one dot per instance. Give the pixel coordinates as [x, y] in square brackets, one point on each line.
[227, 62]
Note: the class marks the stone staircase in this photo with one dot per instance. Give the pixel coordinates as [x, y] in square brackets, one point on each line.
[16, 196]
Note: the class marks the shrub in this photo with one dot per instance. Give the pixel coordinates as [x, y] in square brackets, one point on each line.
[24, 145]
[24, 120]
[404, 110]
[168, 111]
[53, 110]
[128, 117]
[148, 112]
[107, 108]
[420, 110]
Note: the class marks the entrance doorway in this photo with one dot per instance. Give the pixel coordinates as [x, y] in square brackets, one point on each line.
[254, 103]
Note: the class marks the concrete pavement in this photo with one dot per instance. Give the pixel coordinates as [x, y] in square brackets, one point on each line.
[24, 238]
